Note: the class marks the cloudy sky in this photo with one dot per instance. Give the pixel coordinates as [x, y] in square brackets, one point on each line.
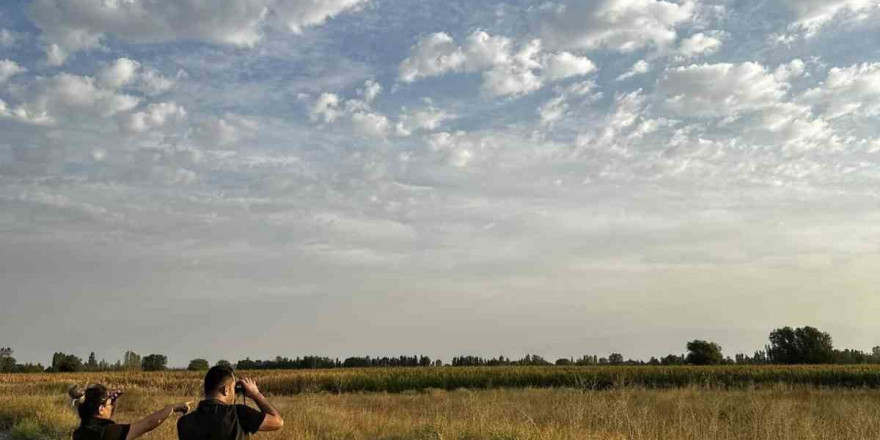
[351, 177]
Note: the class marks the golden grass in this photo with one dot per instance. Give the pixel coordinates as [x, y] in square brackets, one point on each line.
[32, 409]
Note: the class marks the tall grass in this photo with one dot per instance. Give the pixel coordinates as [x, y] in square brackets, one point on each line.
[291, 382]
[774, 412]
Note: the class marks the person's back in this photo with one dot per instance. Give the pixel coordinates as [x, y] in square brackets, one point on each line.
[219, 418]
[215, 420]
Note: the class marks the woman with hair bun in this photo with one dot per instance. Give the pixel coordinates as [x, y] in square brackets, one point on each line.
[96, 405]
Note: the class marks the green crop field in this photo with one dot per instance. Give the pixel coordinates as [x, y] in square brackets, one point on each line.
[730, 402]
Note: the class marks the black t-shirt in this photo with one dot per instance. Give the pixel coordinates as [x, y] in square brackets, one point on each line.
[214, 420]
[100, 429]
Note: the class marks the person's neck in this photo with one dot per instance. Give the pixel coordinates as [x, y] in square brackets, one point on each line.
[216, 398]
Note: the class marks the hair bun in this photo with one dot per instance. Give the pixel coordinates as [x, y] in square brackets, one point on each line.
[77, 394]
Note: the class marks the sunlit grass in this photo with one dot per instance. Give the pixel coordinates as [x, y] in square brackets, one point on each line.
[34, 409]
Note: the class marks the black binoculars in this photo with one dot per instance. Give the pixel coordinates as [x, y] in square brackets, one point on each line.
[239, 388]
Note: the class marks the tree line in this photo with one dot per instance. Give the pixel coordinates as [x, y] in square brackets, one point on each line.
[786, 345]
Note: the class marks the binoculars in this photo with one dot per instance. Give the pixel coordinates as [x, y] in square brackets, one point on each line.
[239, 388]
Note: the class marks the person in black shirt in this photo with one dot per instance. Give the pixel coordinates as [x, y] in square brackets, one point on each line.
[219, 418]
[96, 405]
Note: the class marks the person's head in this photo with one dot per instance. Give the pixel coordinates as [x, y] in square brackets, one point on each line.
[220, 384]
[95, 401]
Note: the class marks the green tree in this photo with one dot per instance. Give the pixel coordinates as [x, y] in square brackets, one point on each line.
[66, 363]
[224, 363]
[803, 345]
[615, 359]
[7, 362]
[703, 353]
[198, 365]
[92, 363]
[154, 362]
[131, 361]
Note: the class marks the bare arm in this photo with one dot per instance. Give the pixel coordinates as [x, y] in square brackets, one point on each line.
[273, 420]
[153, 421]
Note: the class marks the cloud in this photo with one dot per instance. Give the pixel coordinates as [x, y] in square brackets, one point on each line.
[69, 96]
[370, 91]
[425, 119]
[853, 90]
[154, 116]
[620, 25]
[74, 25]
[639, 68]
[505, 70]
[789, 71]
[553, 110]
[118, 74]
[699, 44]
[565, 65]
[719, 90]
[810, 15]
[371, 124]
[325, 108]
[8, 69]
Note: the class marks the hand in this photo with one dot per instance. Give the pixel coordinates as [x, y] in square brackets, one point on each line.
[183, 408]
[250, 387]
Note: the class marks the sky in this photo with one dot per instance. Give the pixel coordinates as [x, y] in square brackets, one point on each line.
[254, 178]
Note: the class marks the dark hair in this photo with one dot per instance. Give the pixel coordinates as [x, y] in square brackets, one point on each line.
[88, 401]
[216, 377]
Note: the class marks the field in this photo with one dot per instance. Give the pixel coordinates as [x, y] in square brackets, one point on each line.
[823, 402]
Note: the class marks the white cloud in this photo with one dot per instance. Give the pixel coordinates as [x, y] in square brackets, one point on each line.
[718, 90]
[639, 68]
[789, 71]
[811, 15]
[371, 124]
[74, 25]
[325, 108]
[153, 83]
[154, 116]
[370, 91]
[565, 65]
[699, 44]
[117, 74]
[217, 133]
[427, 119]
[622, 25]
[69, 97]
[433, 55]
[552, 110]
[506, 71]
[55, 55]
[8, 69]
[298, 14]
[848, 90]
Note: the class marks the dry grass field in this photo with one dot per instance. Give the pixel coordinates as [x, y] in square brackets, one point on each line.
[34, 406]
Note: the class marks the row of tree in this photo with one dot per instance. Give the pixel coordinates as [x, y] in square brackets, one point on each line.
[804, 345]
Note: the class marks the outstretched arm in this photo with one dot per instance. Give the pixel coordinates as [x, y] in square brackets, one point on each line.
[153, 421]
[273, 420]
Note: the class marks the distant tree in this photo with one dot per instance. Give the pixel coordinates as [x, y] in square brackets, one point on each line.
[66, 363]
[438, 363]
[672, 359]
[703, 353]
[654, 361]
[155, 362]
[131, 361]
[615, 359]
[224, 362]
[92, 363]
[563, 362]
[7, 362]
[198, 365]
[29, 368]
[803, 345]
